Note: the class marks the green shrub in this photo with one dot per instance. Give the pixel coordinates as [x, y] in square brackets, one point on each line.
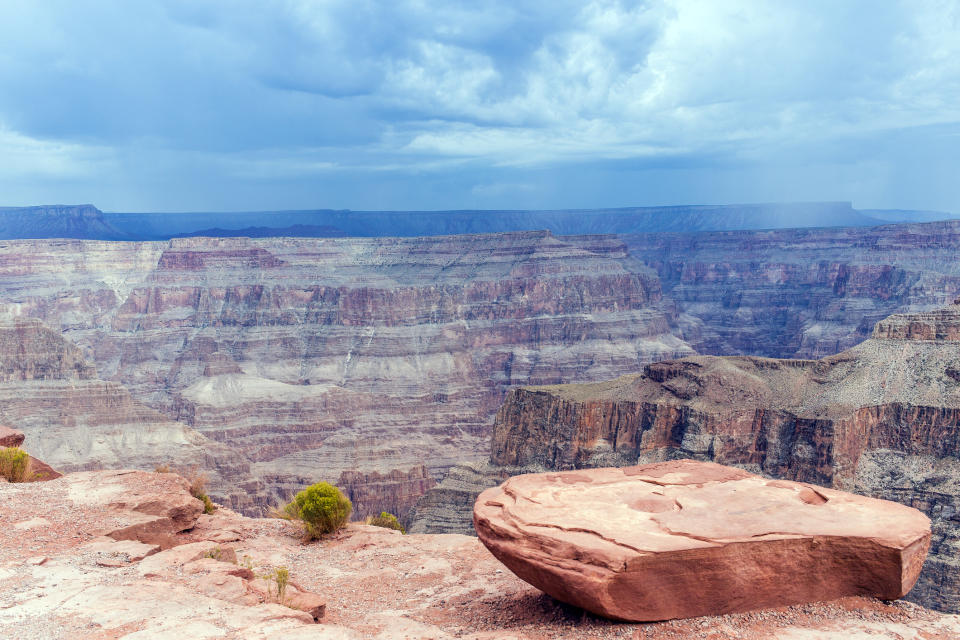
[198, 484]
[216, 553]
[281, 576]
[321, 507]
[208, 506]
[14, 464]
[387, 521]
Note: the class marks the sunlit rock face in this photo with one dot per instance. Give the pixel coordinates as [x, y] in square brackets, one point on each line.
[314, 357]
[682, 539]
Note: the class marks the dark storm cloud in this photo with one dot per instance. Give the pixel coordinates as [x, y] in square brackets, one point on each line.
[183, 105]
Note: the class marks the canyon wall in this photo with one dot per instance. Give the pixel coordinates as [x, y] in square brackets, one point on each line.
[311, 358]
[800, 293]
[882, 419]
[77, 422]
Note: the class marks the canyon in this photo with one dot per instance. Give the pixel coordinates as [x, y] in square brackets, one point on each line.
[880, 419]
[312, 358]
[379, 363]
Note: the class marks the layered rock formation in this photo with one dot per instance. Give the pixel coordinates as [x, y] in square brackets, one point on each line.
[75, 421]
[880, 419]
[394, 492]
[315, 357]
[78, 559]
[800, 293]
[684, 539]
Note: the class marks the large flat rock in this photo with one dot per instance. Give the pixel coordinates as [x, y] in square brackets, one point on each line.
[684, 538]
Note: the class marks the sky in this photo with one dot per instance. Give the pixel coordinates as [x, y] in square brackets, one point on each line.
[218, 105]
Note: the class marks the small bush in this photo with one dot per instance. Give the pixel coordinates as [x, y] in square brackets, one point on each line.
[198, 484]
[281, 576]
[321, 507]
[208, 506]
[387, 521]
[14, 464]
[216, 553]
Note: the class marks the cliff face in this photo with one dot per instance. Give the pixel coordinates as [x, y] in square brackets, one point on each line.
[75, 421]
[882, 419]
[311, 358]
[395, 492]
[800, 293]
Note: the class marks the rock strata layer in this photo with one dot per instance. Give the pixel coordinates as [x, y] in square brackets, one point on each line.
[685, 538]
[77, 422]
[308, 358]
[314, 357]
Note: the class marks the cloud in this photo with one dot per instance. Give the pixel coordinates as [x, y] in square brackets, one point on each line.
[283, 91]
[25, 157]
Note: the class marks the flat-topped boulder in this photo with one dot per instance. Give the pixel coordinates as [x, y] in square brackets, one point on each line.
[685, 538]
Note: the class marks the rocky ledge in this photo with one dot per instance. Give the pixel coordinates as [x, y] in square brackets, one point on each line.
[64, 574]
[683, 539]
[879, 419]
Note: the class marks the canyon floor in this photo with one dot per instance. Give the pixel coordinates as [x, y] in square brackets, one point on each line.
[126, 554]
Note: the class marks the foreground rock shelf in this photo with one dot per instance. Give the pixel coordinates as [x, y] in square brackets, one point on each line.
[685, 538]
[64, 574]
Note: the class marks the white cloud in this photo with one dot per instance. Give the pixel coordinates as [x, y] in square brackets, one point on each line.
[22, 156]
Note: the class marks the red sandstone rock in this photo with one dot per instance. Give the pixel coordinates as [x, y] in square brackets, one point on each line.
[37, 471]
[10, 437]
[148, 507]
[685, 538]
[40, 471]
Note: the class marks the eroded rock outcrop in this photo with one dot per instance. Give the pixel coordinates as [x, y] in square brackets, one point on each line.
[394, 492]
[11, 437]
[880, 419]
[686, 538]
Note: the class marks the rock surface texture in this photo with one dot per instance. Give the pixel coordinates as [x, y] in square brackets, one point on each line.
[60, 579]
[684, 538]
[11, 437]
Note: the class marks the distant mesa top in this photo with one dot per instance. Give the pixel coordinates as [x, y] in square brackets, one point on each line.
[685, 538]
[86, 222]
